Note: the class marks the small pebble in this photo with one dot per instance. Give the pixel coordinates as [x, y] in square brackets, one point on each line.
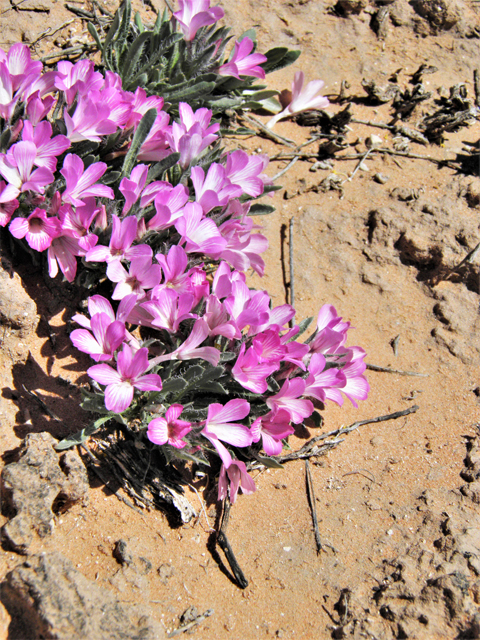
[380, 178]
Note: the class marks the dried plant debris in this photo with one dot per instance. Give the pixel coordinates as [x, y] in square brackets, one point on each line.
[39, 484]
[456, 111]
[380, 95]
[143, 473]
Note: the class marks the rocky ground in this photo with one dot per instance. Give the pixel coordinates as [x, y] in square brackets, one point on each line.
[392, 245]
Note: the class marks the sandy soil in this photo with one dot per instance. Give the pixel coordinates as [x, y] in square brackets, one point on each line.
[390, 508]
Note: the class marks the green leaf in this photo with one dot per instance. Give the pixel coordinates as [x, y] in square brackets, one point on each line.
[107, 45]
[226, 356]
[139, 138]
[195, 371]
[213, 373]
[110, 177]
[212, 386]
[174, 384]
[157, 169]
[261, 210]
[250, 33]
[134, 55]
[94, 33]
[183, 455]
[271, 463]
[139, 23]
[278, 58]
[303, 326]
[81, 436]
[120, 45]
[94, 403]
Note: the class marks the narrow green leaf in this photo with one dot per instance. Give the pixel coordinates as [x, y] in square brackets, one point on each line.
[157, 169]
[212, 373]
[134, 55]
[139, 23]
[110, 177]
[183, 455]
[94, 33]
[278, 58]
[261, 210]
[213, 387]
[226, 356]
[250, 33]
[139, 138]
[81, 436]
[271, 463]
[195, 371]
[303, 326]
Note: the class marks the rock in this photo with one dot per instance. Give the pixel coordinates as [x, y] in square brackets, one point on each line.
[34, 5]
[40, 479]
[48, 598]
[349, 7]
[17, 309]
[165, 572]
[441, 15]
[473, 194]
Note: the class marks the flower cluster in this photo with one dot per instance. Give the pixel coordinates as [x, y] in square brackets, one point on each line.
[52, 195]
[247, 351]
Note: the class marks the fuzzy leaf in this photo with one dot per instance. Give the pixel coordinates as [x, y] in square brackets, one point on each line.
[173, 384]
[261, 210]
[278, 58]
[139, 138]
[82, 435]
[159, 168]
[271, 463]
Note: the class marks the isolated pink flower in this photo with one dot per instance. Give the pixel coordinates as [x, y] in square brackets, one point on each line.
[194, 14]
[220, 425]
[37, 229]
[169, 429]
[302, 99]
[128, 377]
[238, 477]
[242, 62]
[272, 428]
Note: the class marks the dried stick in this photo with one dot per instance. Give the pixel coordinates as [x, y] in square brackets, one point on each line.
[374, 367]
[311, 448]
[273, 136]
[81, 48]
[313, 507]
[289, 166]
[189, 625]
[224, 545]
[476, 85]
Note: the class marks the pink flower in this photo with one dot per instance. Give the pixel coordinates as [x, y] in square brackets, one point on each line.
[194, 14]
[155, 147]
[140, 105]
[238, 476]
[80, 77]
[356, 387]
[169, 429]
[107, 337]
[193, 134]
[243, 64]
[62, 252]
[90, 121]
[132, 188]
[81, 183]
[214, 189]
[47, 147]
[302, 99]
[220, 425]
[141, 276]
[200, 234]
[246, 171]
[123, 235]
[250, 372]
[8, 203]
[16, 167]
[169, 203]
[20, 65]
[320, 381]
[128, 377]
[37, 229]
[272, 428]
[288, 398]
[168, 308]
